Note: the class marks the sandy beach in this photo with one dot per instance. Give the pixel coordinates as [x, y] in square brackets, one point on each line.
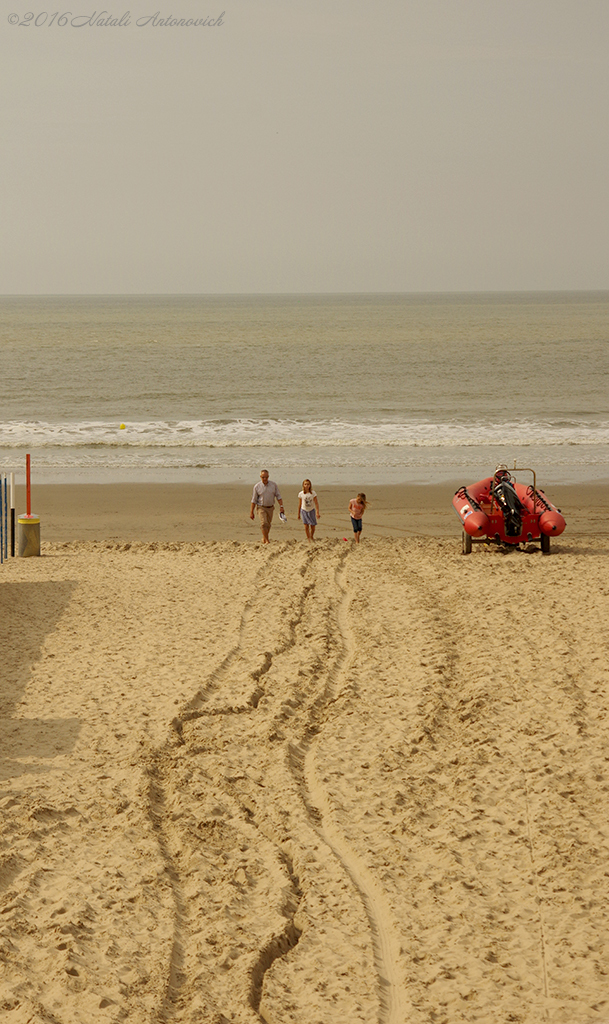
[302, 783]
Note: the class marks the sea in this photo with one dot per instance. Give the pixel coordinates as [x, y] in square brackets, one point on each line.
[355, 388]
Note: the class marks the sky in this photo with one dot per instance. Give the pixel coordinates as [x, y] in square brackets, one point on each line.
[318, 146]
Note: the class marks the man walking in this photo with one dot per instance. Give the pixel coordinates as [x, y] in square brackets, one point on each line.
[263, 499]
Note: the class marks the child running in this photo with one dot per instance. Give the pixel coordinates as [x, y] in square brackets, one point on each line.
[308, 506]
[357, 507]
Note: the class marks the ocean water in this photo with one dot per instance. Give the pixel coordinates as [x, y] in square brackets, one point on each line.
[345, 388]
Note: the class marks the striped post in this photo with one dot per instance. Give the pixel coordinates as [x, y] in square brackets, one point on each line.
[12, 515]
[5, 516]
[1, 522]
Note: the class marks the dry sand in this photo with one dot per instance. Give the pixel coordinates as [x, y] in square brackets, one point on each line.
[305, 783]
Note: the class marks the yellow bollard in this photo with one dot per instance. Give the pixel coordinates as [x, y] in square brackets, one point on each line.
[28, 532]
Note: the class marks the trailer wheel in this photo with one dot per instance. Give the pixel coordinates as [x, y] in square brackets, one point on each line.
[466, 544]
[545, 544]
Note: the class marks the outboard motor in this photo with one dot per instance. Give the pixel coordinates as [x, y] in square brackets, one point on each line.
[510, 504]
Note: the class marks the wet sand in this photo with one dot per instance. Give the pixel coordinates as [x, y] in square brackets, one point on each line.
[193, 512]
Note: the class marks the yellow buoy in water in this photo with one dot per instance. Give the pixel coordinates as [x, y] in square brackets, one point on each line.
[122, 426]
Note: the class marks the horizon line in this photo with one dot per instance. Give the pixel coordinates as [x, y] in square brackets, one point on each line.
[291, 294]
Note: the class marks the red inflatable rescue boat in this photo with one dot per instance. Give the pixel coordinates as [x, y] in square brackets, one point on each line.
[501, 509]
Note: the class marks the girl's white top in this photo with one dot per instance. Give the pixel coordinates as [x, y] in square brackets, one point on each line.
[307, 500]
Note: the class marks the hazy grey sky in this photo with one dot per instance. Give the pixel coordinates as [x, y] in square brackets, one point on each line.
[326, 145]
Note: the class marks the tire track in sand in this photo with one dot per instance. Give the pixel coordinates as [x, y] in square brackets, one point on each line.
[160, 791]
[195, 708]
[394, 1003]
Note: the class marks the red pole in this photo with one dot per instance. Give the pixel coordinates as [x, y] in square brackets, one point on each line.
[28, 485]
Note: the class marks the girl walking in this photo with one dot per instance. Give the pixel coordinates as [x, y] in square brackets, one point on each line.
[357, 507]
[308, 509]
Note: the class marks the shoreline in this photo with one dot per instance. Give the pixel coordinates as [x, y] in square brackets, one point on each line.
[370, 474]
[187, 512]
